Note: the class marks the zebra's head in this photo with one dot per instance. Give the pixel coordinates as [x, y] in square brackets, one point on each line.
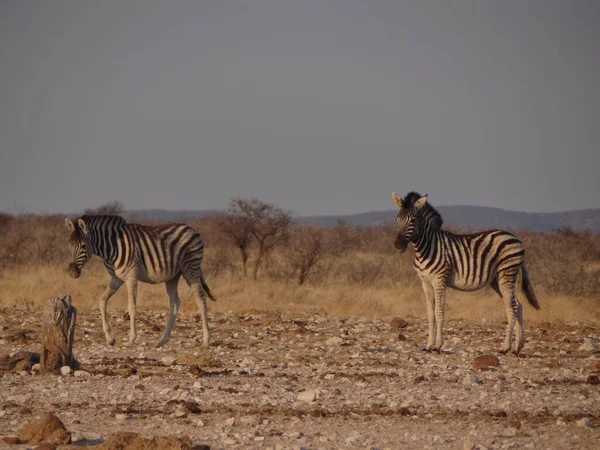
[406, 220]
[79, 246]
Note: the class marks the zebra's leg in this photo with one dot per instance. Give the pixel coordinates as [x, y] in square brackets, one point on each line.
[174, 303]
[113, 286]
[440, 303]
[507, 287]
[201, 302]
[132, 284]
[430, 300]
[519, 331]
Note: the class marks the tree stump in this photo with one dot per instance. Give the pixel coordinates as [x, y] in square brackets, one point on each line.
[58, 331]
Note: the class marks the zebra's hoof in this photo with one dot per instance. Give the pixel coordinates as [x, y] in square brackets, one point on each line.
[159, 344]
[504, 351]
[436, 349]
[111, 341]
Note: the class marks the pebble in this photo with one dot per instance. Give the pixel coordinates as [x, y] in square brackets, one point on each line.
[584, 422]
[65, 370]
[588, 345]
[470, 380]
[307, 396]
[168, 360]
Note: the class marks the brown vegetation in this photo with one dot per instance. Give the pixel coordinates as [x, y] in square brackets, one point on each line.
[340, 269]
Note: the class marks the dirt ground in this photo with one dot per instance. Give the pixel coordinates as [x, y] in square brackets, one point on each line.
[369, 385]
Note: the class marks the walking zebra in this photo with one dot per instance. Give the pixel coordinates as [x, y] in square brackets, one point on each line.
[150, 254]
[464, 262]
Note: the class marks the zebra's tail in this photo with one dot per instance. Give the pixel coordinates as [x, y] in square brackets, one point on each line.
[528, 288]
[206, 288]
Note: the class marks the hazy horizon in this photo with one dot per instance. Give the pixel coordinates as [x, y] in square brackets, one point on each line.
[322, 108]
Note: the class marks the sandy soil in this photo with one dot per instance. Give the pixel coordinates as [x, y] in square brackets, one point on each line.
[369, 384]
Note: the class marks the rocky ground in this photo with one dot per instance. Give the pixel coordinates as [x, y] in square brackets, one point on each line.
[311, 381]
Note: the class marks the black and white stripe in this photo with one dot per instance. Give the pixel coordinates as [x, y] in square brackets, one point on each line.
[150, 254]
[464, 262]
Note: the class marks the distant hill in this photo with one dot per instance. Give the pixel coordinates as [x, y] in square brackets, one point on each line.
[479, 217]
[168, 215]
[463, 216]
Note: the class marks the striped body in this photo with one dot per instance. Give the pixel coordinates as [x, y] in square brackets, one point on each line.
[464, 262]
[134, 252]
[470, 262]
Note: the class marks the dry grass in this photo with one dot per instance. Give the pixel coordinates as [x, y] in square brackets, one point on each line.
[29, 287]
[361, 274]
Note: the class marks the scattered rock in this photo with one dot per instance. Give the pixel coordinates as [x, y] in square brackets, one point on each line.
[82, 374]
[398, 323]
[230, 422]
[132, 441]
[588, 346]
[584, 422]
[401, 337]
[334, 341]
[50, 429]
[486, 362]
[168, 360]
[470, 380]
[307, 396]
[46, 446]
[592, 379]
[65, 370]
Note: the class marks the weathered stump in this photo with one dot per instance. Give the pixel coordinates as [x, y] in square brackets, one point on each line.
[58, 331]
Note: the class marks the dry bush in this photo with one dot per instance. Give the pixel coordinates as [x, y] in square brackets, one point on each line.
[313, 263]
[110, 208]
[308, 247]
[33, 240]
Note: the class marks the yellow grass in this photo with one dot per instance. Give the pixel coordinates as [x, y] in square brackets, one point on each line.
[31, 285]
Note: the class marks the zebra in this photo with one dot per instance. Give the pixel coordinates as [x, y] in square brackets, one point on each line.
[150, 254]
[465, 262]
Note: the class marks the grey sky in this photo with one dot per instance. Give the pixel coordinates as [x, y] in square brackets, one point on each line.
[322, 107]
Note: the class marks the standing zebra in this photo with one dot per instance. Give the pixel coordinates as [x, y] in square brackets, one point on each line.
[464, 262]
[150, 254]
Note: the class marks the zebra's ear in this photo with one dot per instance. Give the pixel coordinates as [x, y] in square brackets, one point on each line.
[397, 200]
[69, 224]
[82, 226]
[421, 202]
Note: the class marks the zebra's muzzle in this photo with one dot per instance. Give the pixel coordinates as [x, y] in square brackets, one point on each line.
[401, 242]
[74, 271]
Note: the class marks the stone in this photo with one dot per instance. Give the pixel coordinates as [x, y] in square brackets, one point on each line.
[398, 323]
[470, 380]
[65, 370]
[168, 360]
[50, 429]
[592, 379]
[584, 422]
[334, 341]
[230, 422]
[307, 396]
[588, 346]
[81, 374]
[486, 362]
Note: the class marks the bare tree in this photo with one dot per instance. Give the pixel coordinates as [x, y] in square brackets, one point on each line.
[308, 246]
[251, 219]
[237, 231]
[270, 229]
[114, 207]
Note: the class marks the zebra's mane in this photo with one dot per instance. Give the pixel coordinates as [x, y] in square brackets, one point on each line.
[428, 212]
[94, 222]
